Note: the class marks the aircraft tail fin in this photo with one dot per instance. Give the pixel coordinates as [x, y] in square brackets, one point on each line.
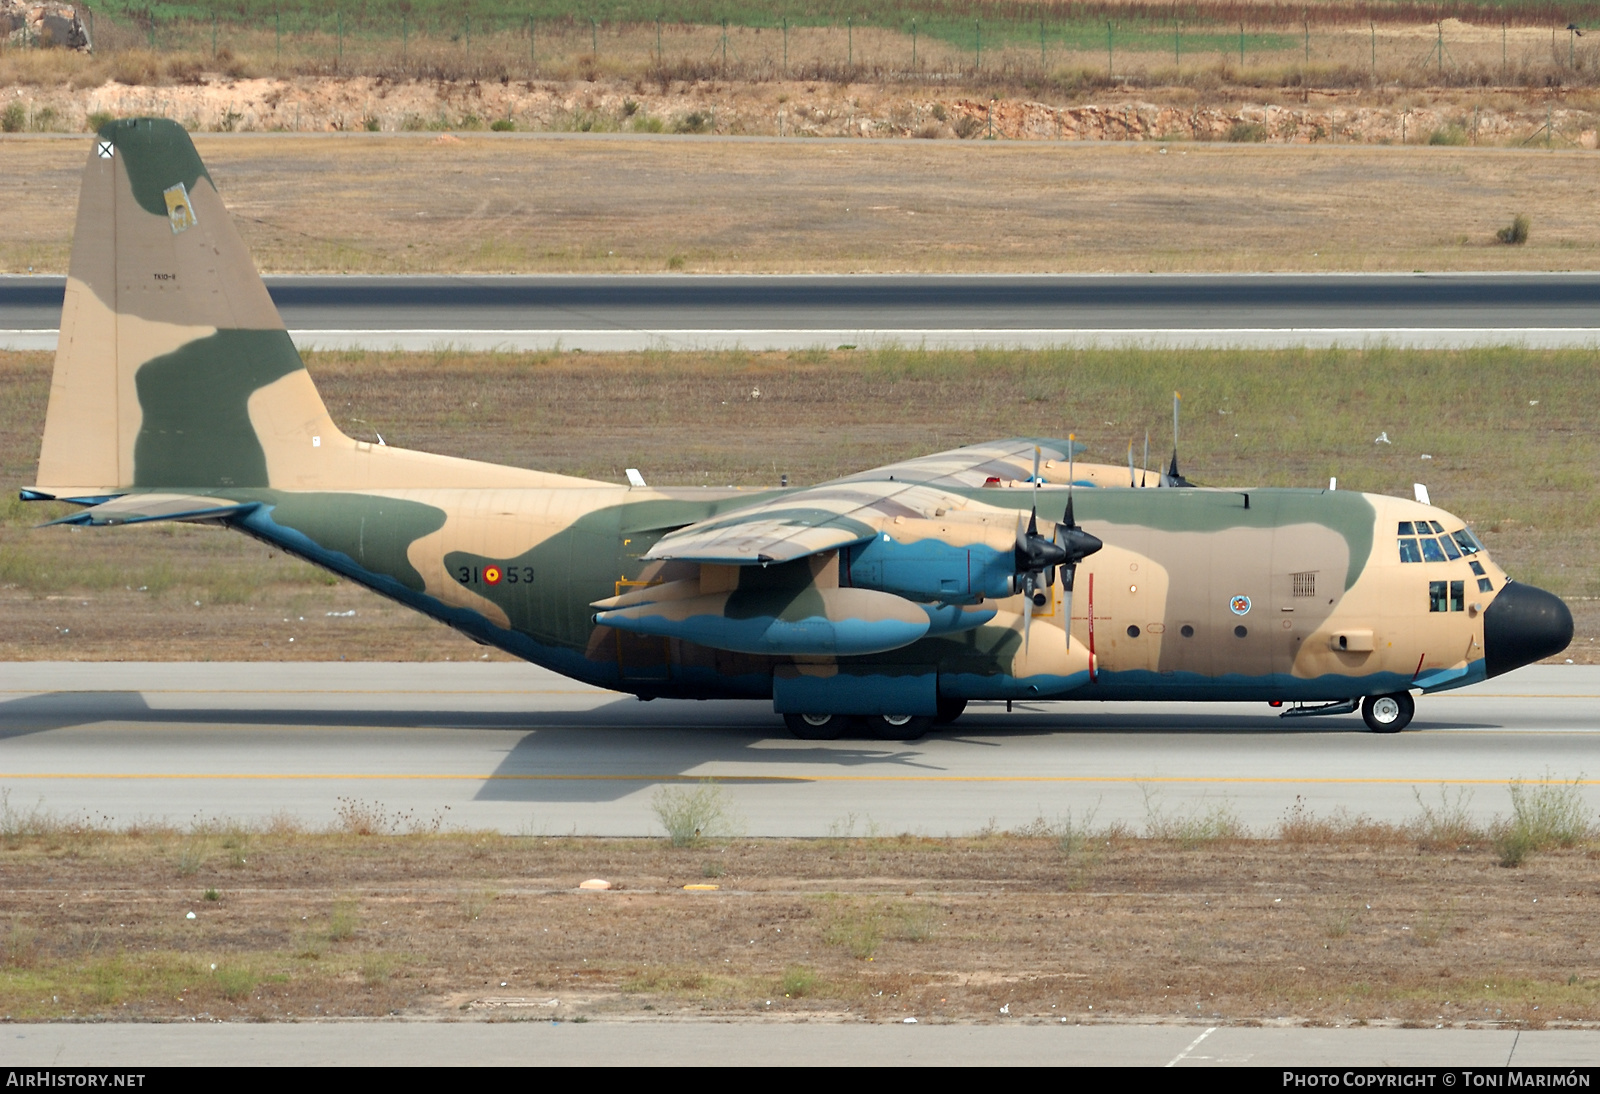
[174, 370]
[173, 366]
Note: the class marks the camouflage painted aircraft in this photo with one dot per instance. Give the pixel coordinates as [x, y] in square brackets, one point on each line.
[873, 604]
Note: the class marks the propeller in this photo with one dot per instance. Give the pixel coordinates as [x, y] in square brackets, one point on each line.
[1075, 545]
[1037, 557]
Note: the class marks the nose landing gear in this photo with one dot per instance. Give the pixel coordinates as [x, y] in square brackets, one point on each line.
[1388, 713]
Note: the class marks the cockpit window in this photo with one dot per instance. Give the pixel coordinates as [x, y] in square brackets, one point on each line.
[1469, 542]
[1451, 551]
[1431, 551]
[1438, 528]
[1409, 551]
[1477, 567]
[1405, 528]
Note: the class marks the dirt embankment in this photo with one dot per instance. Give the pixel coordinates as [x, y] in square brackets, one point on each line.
[217, 103]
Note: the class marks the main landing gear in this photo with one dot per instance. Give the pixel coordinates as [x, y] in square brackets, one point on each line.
[877, 727]
[1388, 713]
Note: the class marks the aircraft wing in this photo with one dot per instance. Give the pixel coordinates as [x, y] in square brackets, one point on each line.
[802, 523]
[973, 465]
[141, 508]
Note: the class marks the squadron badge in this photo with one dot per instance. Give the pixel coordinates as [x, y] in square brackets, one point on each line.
[179, 211]
[1240, 605]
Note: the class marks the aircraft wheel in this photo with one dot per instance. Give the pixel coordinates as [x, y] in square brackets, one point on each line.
[897, 727]
[1388, 713]
[816, 727]
[949, 711]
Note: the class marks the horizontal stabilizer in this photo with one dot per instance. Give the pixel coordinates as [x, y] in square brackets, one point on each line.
[142, 508]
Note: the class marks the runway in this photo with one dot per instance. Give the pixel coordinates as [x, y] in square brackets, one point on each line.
[518, 749]
[621, 313]
[712, 1044]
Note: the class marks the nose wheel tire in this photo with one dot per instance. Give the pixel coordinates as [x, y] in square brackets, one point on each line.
[816, 727]
[897, 727]
[1388, 713]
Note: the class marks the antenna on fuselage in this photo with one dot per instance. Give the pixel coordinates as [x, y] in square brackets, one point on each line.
[1174, 476]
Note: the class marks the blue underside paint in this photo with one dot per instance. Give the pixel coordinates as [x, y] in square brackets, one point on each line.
[766, 635]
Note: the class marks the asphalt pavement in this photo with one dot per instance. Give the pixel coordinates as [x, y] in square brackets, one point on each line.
[787, 312]
[514, 747]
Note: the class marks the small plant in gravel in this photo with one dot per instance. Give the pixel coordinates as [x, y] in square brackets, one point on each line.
[1215, 823]
[1447, 826]
[343, 921]
[693, 816]
[798, 981]
[234, 982]
[1545, 814]
[1516, 234]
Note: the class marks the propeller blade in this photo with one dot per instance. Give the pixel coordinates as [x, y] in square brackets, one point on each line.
[1131, 482]
[1067, 574]
[1027, 610]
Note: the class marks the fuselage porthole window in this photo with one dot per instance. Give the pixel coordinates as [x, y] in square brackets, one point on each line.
[1409, 552]
[1437, 596]
[1431, 551]
[1186, 630]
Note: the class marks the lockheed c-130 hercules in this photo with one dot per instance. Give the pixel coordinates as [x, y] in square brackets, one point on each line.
[873, 604]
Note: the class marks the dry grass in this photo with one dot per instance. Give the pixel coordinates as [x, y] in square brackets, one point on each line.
[1513, 450]
[1360, 924]
[506, 204]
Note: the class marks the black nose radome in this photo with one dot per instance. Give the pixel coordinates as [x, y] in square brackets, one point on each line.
[1522, 625]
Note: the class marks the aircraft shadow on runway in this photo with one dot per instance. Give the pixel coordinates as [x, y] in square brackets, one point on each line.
[605, 753]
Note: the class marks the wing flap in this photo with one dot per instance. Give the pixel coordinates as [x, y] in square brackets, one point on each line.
[801, 523]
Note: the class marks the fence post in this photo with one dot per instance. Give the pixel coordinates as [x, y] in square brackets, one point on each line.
[469, 31]
[213, 33]
[724, 47]
[849, 43]
[152, 32]
[658, 44]
[913, 45]
[1110, 71]
[977, 56]
[1043, 64]
[594, 37]
[785, 46]
[277, 21]
[405, 39]
[1177, 57]
[1374, 27]
[338, 18]
[1308, 43]
[1241, 47]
